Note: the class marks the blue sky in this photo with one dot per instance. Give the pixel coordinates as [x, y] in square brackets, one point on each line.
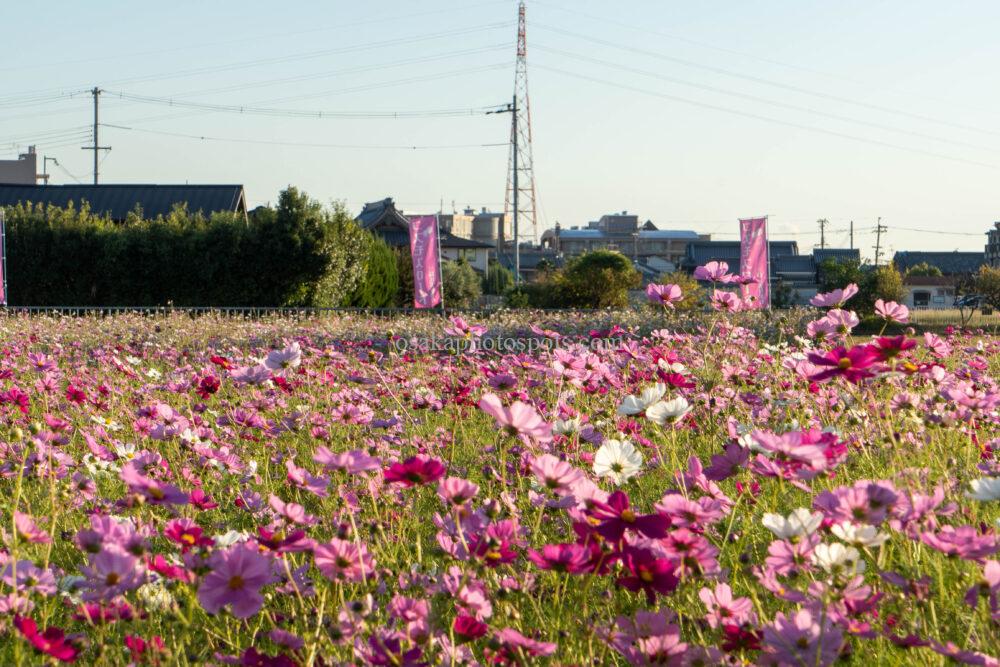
[691, 114]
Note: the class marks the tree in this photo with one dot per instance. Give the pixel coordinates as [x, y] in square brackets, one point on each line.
[923, 270]
[884, 282]
[461, 284]
[599, 279]
[404, 269]
[379, 284]
[497, 279]
[988, 285]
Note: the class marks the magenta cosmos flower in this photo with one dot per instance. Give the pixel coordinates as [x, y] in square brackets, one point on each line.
[415, 470]
[237, 575]
[341, 560]
[647, 573]
[853, 365]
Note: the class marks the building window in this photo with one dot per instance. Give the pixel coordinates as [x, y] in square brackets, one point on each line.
[921, 299]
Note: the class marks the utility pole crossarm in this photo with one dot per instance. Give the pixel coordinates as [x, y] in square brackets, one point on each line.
[96, 92]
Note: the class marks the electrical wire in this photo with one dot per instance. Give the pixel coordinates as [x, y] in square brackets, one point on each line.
[767, 119]
[265, 142]
[760, 80]
[756, 98]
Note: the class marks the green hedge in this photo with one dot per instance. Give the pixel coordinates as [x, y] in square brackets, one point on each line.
[296, 254]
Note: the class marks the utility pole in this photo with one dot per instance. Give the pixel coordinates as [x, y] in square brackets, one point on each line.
[852, 235]
[45, 167]
[879, 228]
[96, 92]
[512, 110]
[823, 222]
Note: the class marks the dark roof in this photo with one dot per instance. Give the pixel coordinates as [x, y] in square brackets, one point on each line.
[118, 200]
[449, 240]
[950, 263]
[840, 254]
[702, 252]
[529, 260]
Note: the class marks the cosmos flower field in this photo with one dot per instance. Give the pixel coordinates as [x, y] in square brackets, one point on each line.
[532, 488]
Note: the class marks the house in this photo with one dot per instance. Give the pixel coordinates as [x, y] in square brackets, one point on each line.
[790, 271]
[623, 233]
[383, 218]
[992, 255]
[22, 171]
[929, 292]
[950, 263]
[118, 200]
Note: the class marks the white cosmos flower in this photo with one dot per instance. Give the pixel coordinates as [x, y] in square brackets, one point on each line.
[633, 405]
[618, 460]
[155, 595]
[800, 522]
[837, 559]
[984, 489]
[125, 450]
[668, 412]
[154, 374]
[675, 367]
[566, 426]
[860, 536]
[230, 538]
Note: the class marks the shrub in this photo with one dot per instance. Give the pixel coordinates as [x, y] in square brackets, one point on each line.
[599, 279]
[461, 284]
[987, 284]
[297, 254]
[497, 279]
[883, 282]
[380, 282]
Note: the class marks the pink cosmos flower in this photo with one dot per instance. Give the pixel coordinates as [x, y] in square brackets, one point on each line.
[154, 491]
[804, 638]
[456, 491]
[835, 298]
[237, 575]
[513, 642]
[291, 512]
[519, 419]
[664, 295]
[111, 572]
[964, 541]
[341, 560]
[723, 608]
[726, 301]
[28, 531]
[554, 474]
[716, 272]
[284, 360]
[353, 462]
[892, 311]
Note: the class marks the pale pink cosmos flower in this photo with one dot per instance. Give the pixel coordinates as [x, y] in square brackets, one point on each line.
[835, 298]
[726, 301]
[28, 531]
[554, 474]
[456, 491]
[723, 608]
[716, 272]
[843, 320]
[804, 638]
[519, 419]
[664, 295]
[341, 560]
[892, 311]
[238, 574]
[284, 360]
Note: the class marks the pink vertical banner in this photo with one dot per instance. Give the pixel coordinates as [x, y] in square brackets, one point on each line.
[755, 261]
[426, 254]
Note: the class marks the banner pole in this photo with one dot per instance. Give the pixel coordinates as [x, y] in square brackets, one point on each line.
[437, 236]
[767, 249]
[3, 255]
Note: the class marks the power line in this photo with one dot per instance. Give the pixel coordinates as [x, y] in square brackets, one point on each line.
[302, 113]
[764, 100]
[763, 81]
[743, 54]
[382, 19]
[800, 126]
[295, 144]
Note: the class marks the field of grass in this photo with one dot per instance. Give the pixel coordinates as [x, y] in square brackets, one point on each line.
[602, 488]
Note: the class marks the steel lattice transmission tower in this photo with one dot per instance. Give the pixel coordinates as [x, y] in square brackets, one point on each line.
[520, 201]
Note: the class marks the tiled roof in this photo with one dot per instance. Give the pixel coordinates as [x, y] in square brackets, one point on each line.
[950, 263]
[118, 200]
